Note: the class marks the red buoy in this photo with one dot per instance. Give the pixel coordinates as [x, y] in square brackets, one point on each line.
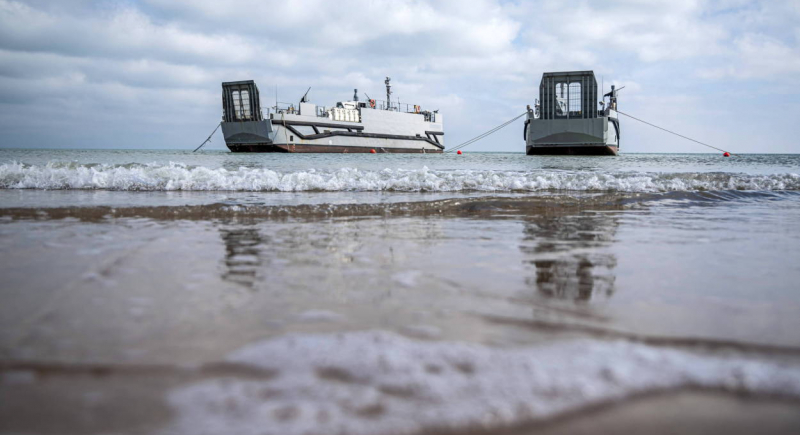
[372, 151]
[459, 152]
[726, 154]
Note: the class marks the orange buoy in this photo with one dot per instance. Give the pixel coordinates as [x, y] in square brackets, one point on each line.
[726, 154]
[372, 151]
[459, 152]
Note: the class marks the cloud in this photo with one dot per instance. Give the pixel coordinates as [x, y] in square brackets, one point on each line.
[121, 32]
[759, 56]
[155, 66]
[348, 23]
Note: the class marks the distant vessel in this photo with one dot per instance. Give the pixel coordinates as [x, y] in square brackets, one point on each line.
[567, 120]
[348, 127]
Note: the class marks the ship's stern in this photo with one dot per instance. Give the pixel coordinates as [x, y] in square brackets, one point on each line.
[571, 137]
[249, 136]
[243, 125]
[568, 121]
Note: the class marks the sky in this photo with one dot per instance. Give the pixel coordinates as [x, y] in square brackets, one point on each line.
[147, 74]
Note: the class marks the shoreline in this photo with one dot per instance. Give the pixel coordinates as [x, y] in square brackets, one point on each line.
[135, 403]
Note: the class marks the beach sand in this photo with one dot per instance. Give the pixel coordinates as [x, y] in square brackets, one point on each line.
[619, 308]
[97, 402]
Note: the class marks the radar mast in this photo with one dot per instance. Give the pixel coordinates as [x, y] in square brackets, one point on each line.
[388, 93]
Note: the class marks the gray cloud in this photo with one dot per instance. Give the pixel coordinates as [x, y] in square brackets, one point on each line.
[147, 73]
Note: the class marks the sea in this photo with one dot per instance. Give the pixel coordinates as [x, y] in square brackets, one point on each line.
[162, 291]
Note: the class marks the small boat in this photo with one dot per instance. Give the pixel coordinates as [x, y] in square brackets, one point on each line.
[567, 120]
[355, 126]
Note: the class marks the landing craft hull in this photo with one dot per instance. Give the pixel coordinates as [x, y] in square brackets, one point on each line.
[348, 127]
[572, 137]
[279, 137]
[567, 119]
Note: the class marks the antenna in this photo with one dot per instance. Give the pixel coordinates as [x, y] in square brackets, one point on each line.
[388, 93]
[304, 100]
[276, 98]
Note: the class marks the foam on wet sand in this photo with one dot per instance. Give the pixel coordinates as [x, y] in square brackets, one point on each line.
[378, 382]
[170, 292]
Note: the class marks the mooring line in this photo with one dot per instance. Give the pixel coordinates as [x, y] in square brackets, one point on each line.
[481, 136]
[209, 138]
[676, 134]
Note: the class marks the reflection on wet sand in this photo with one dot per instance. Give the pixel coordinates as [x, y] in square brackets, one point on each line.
[242, 254]
[568, 255]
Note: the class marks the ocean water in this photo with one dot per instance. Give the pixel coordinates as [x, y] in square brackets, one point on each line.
[389, 293]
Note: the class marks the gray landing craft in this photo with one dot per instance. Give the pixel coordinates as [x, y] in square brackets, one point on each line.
[567, 119]
[348, 127]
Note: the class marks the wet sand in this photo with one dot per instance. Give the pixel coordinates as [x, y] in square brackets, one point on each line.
[130, 319]
[683, 412]
[131, 401]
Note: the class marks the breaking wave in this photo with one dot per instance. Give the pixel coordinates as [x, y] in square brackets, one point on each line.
[379, 382]
[177, 176]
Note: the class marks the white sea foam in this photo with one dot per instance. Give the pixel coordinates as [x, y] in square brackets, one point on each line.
[379, 382]
[176, 176]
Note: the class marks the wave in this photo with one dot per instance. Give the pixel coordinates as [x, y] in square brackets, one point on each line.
[478, 206]
[177, 176]
[380, 382]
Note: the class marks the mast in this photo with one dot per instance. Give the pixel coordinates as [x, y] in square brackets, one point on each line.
[388, 93]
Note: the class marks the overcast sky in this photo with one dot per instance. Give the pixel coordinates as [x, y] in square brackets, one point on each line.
[146, 74]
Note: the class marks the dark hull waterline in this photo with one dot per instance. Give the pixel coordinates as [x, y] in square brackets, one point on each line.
[597, 150]
[309, 148]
